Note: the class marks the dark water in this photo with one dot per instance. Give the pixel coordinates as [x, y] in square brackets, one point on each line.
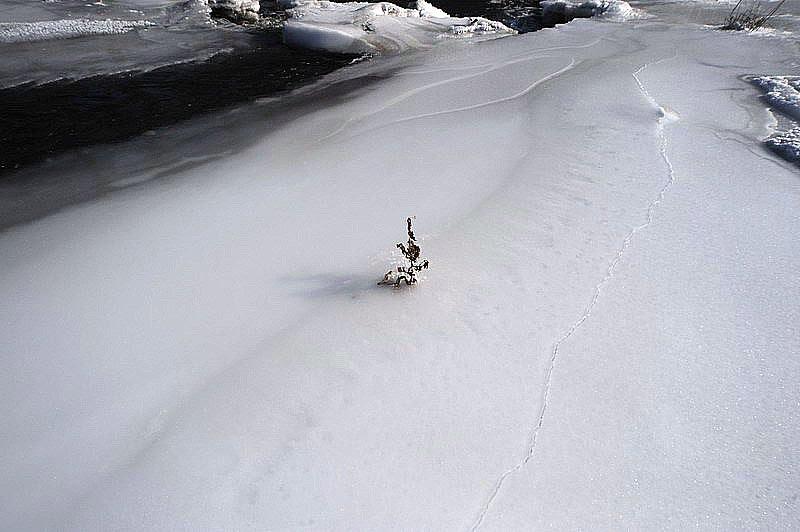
[38, 121]
[522, 15]
[43, 120]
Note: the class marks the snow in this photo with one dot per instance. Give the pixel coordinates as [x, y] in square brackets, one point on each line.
[610, 9]
[14, 32]
[236, 10]
[782, 92]
[786, 144]
[360, 27]
[606, 338]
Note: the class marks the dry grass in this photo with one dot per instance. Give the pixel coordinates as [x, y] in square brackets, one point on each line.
[749, 17]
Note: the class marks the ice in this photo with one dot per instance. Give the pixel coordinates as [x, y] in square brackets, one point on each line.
[358, 27]
[108, 39]
[13, 32]
[606, 338]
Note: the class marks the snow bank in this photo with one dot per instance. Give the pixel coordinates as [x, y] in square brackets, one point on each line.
[568, 10]
[782, 92]
[14, 32]
[359, 27]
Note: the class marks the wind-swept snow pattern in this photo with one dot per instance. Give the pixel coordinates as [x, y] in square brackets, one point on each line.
[14, 32]
[360, 27]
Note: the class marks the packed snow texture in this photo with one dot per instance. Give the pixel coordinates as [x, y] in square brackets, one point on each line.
[359, 27]
[14, 32]
[607, 337]
[609, 9]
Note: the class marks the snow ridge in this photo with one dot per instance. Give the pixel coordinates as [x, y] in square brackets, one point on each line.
[663, 116]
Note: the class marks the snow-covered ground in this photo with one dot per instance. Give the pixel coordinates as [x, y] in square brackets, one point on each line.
[607, 337]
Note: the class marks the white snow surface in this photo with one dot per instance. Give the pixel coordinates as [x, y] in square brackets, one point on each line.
[381, 27]
[607, 337]
[14, 32]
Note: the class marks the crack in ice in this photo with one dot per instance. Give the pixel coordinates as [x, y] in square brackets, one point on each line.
[663, 115]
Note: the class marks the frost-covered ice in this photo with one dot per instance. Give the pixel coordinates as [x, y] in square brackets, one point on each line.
[607, 337]
[12, 32]
[360, 27]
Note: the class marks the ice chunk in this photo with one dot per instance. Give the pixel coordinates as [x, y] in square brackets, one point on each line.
[568, 10]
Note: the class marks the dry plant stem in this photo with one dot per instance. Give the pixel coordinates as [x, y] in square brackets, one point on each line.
[750, 19]
[406, 274]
